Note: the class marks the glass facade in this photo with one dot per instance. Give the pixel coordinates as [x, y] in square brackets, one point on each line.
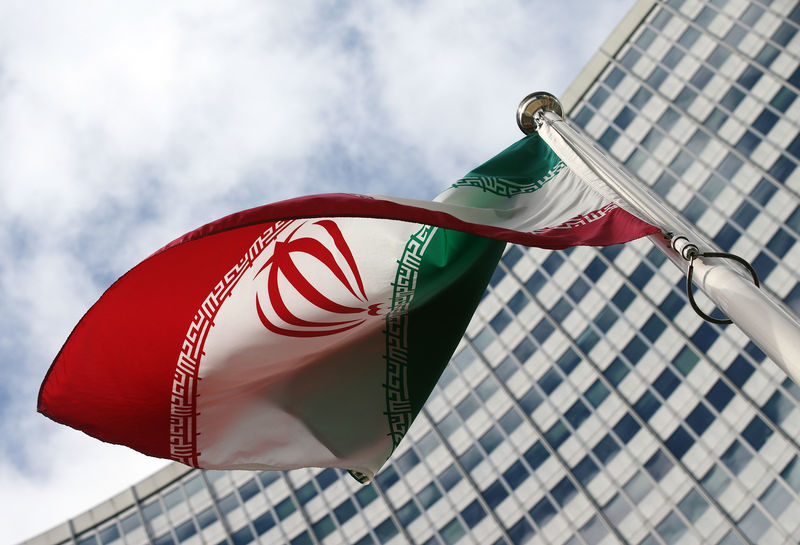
[587, 402]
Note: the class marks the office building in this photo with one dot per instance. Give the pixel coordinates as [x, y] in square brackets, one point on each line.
[587, 403]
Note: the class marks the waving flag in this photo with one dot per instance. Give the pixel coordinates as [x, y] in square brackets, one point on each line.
[310, 332]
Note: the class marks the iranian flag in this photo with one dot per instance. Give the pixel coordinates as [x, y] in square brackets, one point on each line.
[310, 332]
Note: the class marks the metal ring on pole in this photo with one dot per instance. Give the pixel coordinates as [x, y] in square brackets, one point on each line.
[690, 293]
[540, 100]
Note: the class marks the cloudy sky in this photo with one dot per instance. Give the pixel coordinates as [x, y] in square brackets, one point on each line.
[125, 124]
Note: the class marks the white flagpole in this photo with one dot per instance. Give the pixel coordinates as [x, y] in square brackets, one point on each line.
[766, 321]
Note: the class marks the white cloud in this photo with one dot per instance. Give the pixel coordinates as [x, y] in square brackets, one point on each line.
[125, 124]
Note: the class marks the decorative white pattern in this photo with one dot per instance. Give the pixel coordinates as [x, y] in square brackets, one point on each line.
[183, 413]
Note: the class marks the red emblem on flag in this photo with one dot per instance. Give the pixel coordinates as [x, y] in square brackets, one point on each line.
[283, 273]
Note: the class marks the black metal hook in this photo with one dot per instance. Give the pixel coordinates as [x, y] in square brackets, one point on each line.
[690, 293]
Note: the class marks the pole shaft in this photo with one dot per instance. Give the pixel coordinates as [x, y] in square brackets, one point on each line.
[771, 326]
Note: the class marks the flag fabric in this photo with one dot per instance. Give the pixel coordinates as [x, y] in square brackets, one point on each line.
[310, 332]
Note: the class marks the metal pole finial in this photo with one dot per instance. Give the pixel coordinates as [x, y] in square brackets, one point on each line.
[540, 100]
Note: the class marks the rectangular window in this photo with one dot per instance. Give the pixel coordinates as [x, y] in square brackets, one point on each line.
[729, 166]
[264, 523]
[624, 118]
[681, 163]
[386, 530]
[689, 37]
[585, 470]
[557, 434]
[430, 494]
[286, 508]
[666, 383]
[635, 350]
[510, 421]
[614, 77]
[685, 98]
[587, 340]
[626, 428]
[306, 492]
[757, 432]
[751, 15]
[646, 38]
[775, 499]
[564, 491]
[543, 330]
[715, 481]
[671, 528]
[700, 419]
[658, 465]
[185, 531]
[467, 407]
[608, 138]
[657, 77]
[767, 55]
[248, 490]
[521, 531]
[719, 55]
[206, 517]
[736, 457]
[783, 99]
[407, 513]
[561, 310]
[500, 321]
[568, 361]
[584, 116]
[640, 97]
[577, 414]
[661, 19]
[668, 119]
[494, 494]
[606, 449]
[364, 496]
[672, 57]
[516, 474]
[637, 487]
[646, 406]
[629, 59]
[693, 505]
[473, 514]
[679, 442]
[715, 119]
[672, 305]
[739, 371]
[109, 534]
[732, 98]
[781, 242]
[701, 78]
[782, 168]
[524, 350]
[542, 512]
[695, 209]
[686, 360]
[596, 393]
[530, 401]
[719, 395]
[735, 35]
[491, 439]
[623, 298]
[750, 77]
[616, 372]
[448, 478]
[784, 34]
[599, 97]
[151, 510]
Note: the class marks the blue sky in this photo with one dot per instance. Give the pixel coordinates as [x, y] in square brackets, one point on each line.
[125, 124]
